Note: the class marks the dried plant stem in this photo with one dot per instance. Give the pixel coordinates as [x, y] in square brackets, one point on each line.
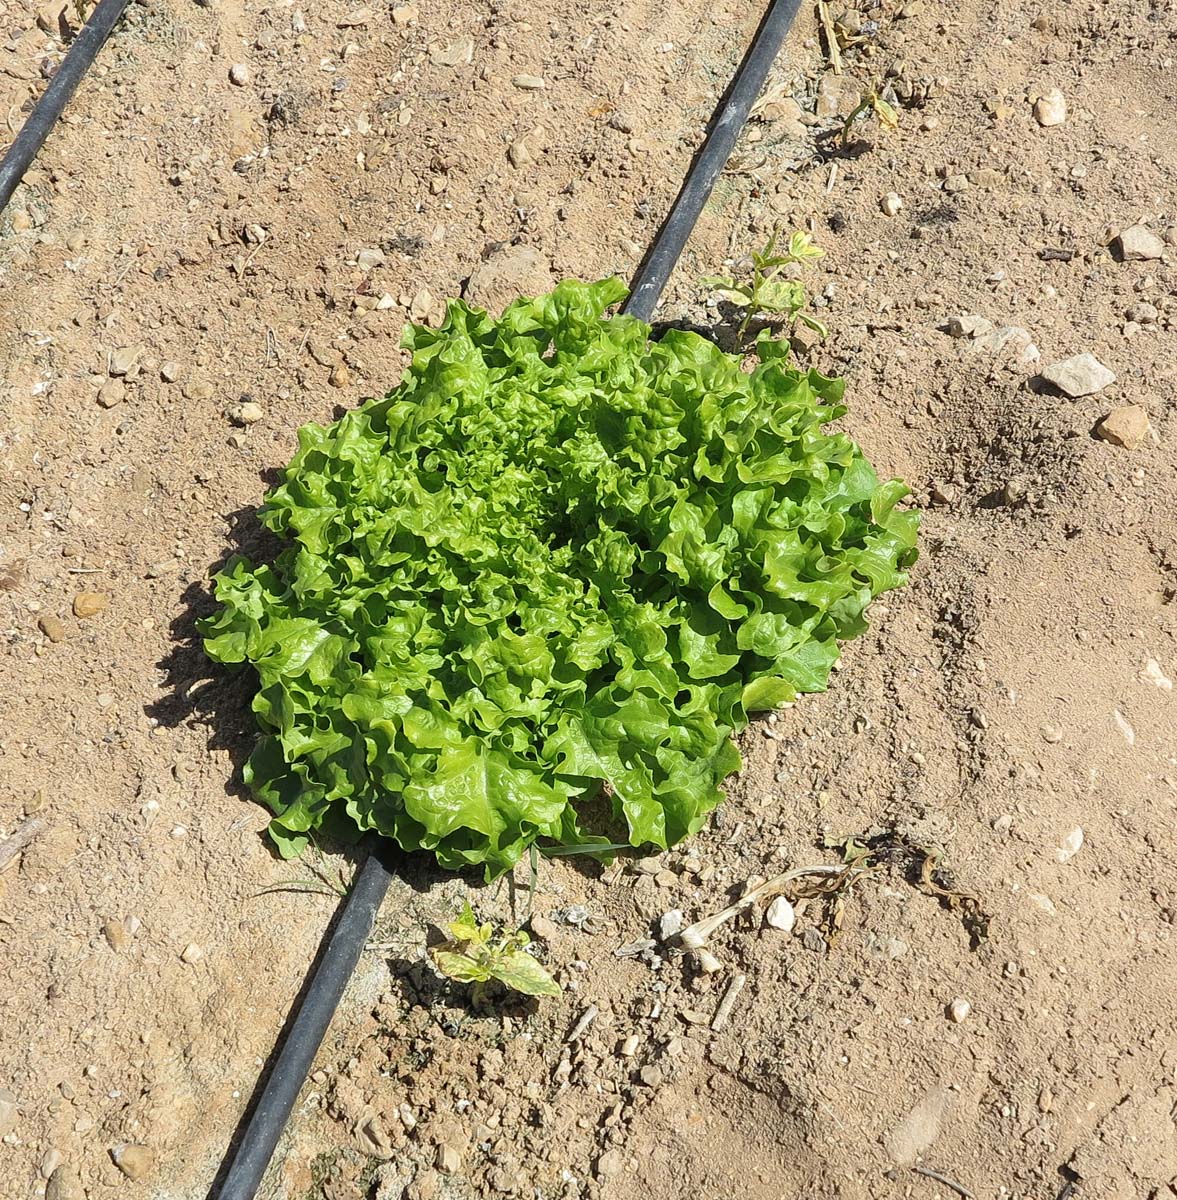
[695, 936]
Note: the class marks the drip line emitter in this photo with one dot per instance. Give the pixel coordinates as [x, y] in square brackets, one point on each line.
[246, 1162]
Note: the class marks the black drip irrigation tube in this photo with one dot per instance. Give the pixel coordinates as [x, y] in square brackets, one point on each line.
[343, 944]
[28, 142]
[344, 941]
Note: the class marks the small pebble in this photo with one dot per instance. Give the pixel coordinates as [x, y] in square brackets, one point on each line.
[1125, 427]
[708, 963]
[1138, 243]
[1153, 673]
[115, 933]
[64, 1185]
[780, 915]
[52, 627]
[90, 604]
[449, 1161]
[891, 203]
[169, 371]
[239, 74]
[959, 1009]
[134, 1161]
[1045, 1100]
[612, 1162]
[670, 923]
[1143, 313]
[9, 1112]
[112, 392]
[1070, 845]
[191, 953]
[50, 1161]
[1050, 108]
[1080, 375]
[340, 377]
[247, 412]
[123, 360]
[629, 1047]
[529, 83]
[544, 929]
[651, 1076]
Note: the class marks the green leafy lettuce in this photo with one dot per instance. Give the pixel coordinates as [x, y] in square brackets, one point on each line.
[529, 595]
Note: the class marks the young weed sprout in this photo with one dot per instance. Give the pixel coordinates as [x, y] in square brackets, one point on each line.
[477, 954]
[766, 293]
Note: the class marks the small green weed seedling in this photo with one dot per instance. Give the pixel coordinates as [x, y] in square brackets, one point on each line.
[872, 102]
[477, 954]
[766, 292]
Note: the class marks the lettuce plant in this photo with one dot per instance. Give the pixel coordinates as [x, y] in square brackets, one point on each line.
[529, 595]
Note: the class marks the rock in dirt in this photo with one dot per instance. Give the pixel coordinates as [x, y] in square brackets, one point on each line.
[1126, 427]
[52, 627]
[135, 1162]
[1050, 108]
[891, 203]
[1070, 845]
[919, 1129]
[112, 392]
[124, 359]
[968, 325]
[248, 412]
[449, 1161]
[454, 54]
[529, 83]
[781, 915]
[64, 1185]
[192, 953]
[239, 74]
[1143, 313]
[90, 604]
[612, 1162]
[959, 1010]
[1138, 243]
[670, 923]
[1154, 673]
[544, 929]
[516, 271]
[169, 371]
[9, 1112]
[1079, 375]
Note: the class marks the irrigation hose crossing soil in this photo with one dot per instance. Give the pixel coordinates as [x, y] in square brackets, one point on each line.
[729, 118]
[344, 942]
[35, 130]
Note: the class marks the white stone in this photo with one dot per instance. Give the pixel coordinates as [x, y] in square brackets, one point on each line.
[780, 915]
[1050, 108]
[1079, 375]
[1070, 845]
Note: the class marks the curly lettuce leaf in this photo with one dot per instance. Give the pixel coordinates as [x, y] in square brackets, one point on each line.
[529, 595]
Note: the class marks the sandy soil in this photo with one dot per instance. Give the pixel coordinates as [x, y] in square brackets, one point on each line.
[187, 243]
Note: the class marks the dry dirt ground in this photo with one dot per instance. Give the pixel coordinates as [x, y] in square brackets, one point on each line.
[1011, 714]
